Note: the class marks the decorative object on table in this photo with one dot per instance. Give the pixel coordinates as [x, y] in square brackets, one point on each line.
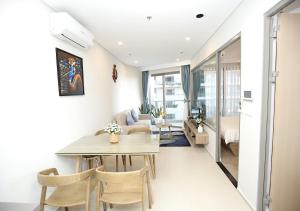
[156, 113]
[199, 125]
[115, 73]
[69, 73]
[114, 131]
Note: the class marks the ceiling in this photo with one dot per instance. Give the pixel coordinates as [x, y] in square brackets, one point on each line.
[158, 41]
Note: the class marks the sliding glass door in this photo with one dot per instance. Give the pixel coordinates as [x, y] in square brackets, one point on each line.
[166, 93]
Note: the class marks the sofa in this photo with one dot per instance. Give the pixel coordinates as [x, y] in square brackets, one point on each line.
[121, 118]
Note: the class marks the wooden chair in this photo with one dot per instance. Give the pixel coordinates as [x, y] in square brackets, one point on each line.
[151, 158]
[99, 159]
[121, 188]
[71, 190]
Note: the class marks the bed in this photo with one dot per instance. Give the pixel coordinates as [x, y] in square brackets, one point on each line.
[230, 132]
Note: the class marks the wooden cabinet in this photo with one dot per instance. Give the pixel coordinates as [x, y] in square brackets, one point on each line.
[192, 133]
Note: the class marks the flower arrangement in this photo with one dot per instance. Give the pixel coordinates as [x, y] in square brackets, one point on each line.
[113, 128]
[199, 121]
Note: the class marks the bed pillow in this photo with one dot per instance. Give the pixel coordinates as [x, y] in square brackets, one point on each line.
[129, 119]
[134, 115]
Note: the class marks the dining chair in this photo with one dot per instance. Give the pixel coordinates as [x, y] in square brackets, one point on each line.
[99, 132]
[70, 190]
[152, 162]
[91, 159]
[122, 188]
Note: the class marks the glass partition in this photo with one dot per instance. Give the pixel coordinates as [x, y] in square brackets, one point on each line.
[205, 90]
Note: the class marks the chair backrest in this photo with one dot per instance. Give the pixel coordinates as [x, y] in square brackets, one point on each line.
[99, 132]
[139, 130]
[50, 177]
[121, 181]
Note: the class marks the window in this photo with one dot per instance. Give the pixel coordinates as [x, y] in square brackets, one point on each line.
[170, 91]
[169, 79]
[171, 104]
[166, 92]
[170, 116]
[205, 90]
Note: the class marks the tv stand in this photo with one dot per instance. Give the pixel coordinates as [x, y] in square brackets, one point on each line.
[192, 134]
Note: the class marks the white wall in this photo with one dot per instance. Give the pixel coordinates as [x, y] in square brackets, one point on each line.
[248, 20]
[35, 122]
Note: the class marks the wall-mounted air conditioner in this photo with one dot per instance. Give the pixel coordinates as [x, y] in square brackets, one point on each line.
[65, 27]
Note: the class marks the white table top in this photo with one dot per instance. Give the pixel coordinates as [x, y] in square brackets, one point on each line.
[142, 144]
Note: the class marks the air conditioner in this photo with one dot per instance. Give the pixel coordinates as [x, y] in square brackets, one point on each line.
[65, 27]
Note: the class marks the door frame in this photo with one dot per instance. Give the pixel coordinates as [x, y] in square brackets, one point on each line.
[227, 44]
[266, 134]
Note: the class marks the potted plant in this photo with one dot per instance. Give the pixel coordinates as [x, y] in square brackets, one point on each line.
[145, 108]
[114, 131]
[156, 113]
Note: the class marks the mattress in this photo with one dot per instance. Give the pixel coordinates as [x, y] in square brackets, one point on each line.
[230, 129]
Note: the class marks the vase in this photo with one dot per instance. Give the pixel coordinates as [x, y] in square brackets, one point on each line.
[114, 138]
[200, 129]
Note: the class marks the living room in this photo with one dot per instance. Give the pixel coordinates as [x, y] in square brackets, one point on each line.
[143, 61]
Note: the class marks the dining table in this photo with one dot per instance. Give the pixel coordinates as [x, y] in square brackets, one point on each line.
[134, 144]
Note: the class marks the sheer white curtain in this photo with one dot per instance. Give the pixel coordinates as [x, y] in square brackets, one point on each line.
[210, 93]
[231, 89]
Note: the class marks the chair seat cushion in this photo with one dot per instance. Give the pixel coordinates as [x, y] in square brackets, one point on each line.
[70, 195]
[122, 198]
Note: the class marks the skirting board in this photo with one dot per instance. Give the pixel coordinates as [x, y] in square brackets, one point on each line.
[246, 200]
[18, 206]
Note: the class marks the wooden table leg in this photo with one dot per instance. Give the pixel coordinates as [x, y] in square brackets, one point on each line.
[124, 162]
[154, 165]
[117, 163]
[78, 164]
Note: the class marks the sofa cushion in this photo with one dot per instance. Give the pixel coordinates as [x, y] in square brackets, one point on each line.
[134, 115]
[129, 119]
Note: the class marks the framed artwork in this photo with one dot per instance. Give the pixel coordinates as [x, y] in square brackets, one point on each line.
[69, 73]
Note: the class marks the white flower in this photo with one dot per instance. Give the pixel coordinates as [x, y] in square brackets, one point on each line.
[113, 128]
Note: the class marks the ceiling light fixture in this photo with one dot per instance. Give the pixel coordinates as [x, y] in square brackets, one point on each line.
[120, 43]
[200, 15]
[177, 60]
[136, 61]
[187, 38]
[149, 18]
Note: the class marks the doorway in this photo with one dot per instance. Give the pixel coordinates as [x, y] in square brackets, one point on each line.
[282, 172]
[229, 101]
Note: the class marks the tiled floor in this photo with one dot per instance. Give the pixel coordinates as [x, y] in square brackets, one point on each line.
[188, 180]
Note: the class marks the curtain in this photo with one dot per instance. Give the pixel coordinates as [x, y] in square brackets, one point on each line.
[231, 89]
[145, 78]
[210, 94]
[196, 87]
[185, 81]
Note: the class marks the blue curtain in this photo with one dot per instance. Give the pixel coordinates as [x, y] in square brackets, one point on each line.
[145, 77]
[185, 80]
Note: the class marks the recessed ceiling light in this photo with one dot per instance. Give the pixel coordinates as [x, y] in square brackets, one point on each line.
[136, 61]
[120, 43]
[177, 60]
[187, 38]
[129, 54]
[199, 15]
[149, 18]
[181, 52]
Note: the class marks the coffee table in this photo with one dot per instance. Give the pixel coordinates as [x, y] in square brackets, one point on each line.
[168, 137]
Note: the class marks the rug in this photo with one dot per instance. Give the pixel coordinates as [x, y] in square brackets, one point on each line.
[179, 139]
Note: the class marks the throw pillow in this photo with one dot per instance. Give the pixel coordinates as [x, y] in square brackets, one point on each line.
[134, 115]
[130, 120]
